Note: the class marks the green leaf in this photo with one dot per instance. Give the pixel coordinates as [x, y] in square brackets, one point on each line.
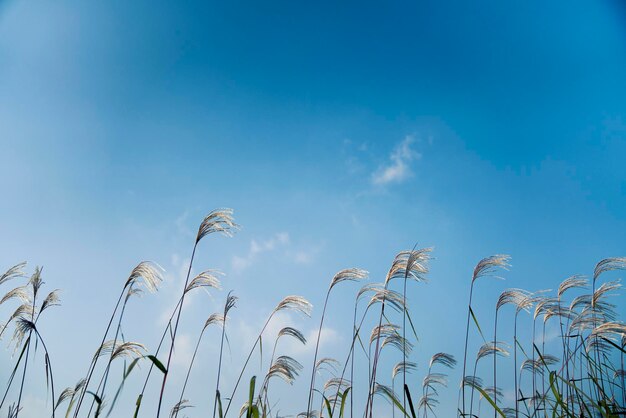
[251, 397]
[138, 403]
[344, 396]
[328, 408]
[477, 325]
[157, 363]
[219, 405]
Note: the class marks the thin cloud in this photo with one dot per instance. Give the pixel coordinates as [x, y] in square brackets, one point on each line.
[398, 168]
[240, 263]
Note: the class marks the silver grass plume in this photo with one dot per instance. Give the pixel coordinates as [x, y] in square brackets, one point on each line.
[410, 265]
[608, 264]
[214, 319]
[572, 282]
[473, 381]
[383, 331]
[285, 368]
[431, 380]
[327, 363]
[179, 407]
[294, 303]
[13, 273]
[51, 300]
[352, 274]
[150, 273]
[292, 332]
[20, 293]
[444, 359]
[487, 266]
[205, 279]
[402, 368]
[387, 296]
[218, 220]
[337, 384]
[490, 348]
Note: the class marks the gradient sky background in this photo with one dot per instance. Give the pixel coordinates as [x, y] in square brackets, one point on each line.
[340, 134]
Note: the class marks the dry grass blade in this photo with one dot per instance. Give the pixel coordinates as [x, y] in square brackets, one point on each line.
[207, 278]
[295, 303]
[487, 266]
[150, 273]
[352, 274]
[13, 273]
[219, 220]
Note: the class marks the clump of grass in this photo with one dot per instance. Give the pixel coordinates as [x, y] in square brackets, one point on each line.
[584, 377]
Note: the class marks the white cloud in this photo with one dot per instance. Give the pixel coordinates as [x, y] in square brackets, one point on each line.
[240, 263]
[398, 168]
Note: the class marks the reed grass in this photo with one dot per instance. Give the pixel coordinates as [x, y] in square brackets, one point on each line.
[577, 373]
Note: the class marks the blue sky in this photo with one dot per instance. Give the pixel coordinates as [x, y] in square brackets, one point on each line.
[340, 134]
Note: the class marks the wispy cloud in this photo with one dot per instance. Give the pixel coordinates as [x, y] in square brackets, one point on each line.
[240, 263]
[398, 168]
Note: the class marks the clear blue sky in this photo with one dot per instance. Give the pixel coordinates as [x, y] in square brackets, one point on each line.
[340, 134]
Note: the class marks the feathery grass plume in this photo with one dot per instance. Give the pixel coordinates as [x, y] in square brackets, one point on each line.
[407, 264]
[427, 402]
[218, 220]
[151, 274]
[69, 393]
[444, 359]
[183, 404]
[21, 292]
[285, 368]
[14, 272]
[284, 332]
[205, 279]
[221, 221]
[231, 301]
[291, 303]
[431, 380]
[213, 319]
[352, 274]
[485, 267]
[403, 367]
[493, 348]
[521, 299]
